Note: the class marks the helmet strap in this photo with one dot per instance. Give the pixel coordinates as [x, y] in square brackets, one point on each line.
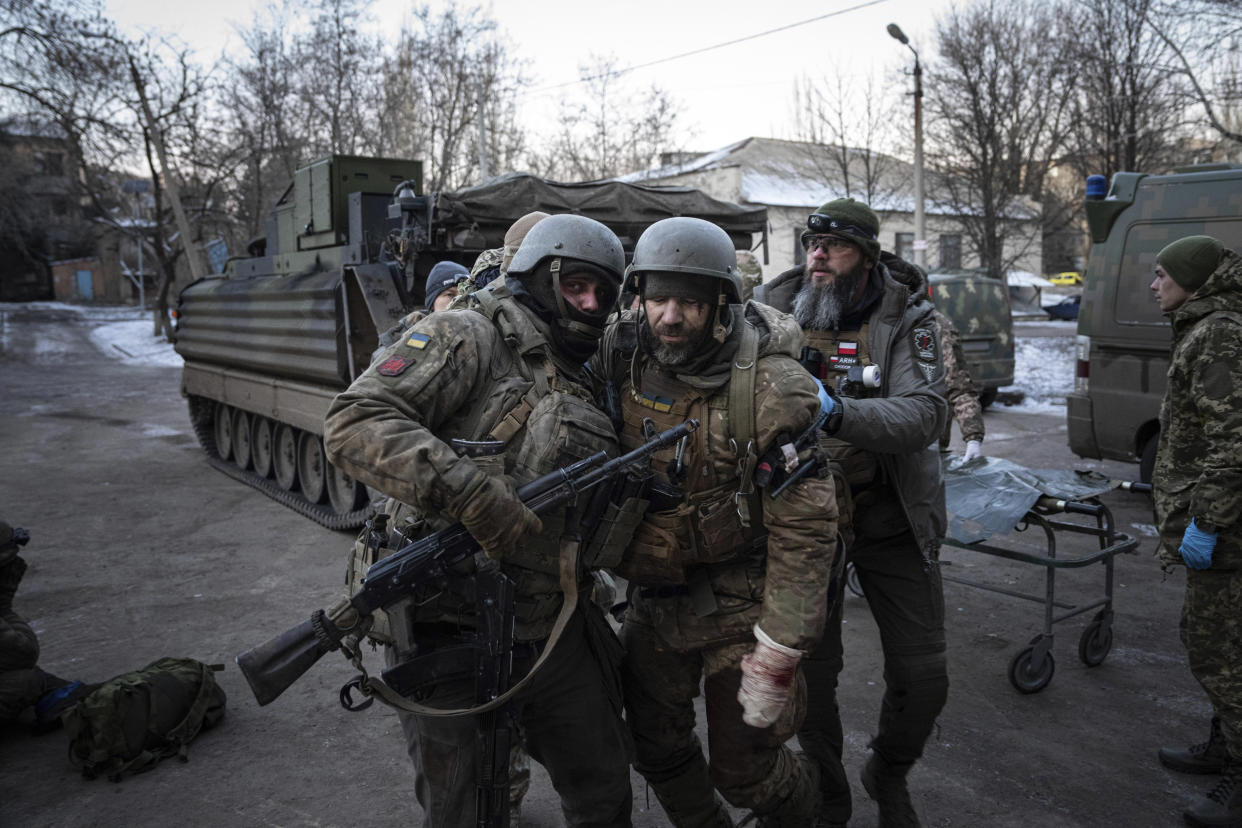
[719, 332]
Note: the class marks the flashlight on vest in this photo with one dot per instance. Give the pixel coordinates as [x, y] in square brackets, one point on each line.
[857, 379]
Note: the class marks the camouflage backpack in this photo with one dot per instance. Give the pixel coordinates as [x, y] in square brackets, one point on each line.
[131, 722]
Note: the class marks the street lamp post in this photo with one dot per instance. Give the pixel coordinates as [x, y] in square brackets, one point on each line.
[920, 217]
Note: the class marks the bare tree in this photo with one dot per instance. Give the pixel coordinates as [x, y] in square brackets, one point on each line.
[337, 73]
[1204, 37]
[1000, 112]
[449, 97]
[609, 130]
[852, 128]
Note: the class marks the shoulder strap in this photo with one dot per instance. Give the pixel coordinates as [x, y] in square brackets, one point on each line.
[742, 428]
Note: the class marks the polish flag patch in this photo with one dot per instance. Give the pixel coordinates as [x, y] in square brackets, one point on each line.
[847, 348]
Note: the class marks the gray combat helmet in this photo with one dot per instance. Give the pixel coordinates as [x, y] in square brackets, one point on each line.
[570, 237]
[691, 246]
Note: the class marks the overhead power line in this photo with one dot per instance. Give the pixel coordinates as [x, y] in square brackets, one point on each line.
[734, 42]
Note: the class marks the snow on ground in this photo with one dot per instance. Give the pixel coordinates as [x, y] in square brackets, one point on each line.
[121, 332]
[1043, 371]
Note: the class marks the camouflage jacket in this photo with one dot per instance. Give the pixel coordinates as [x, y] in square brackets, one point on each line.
[1198, 470]
[787, 598]
[904, 423]
[454, 374]
[959, 388]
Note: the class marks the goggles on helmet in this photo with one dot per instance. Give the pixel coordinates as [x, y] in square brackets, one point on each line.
[820, 223]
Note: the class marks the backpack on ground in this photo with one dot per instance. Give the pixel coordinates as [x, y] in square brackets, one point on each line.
[131, 722]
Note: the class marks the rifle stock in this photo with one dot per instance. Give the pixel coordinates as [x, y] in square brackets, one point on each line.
[273, 666]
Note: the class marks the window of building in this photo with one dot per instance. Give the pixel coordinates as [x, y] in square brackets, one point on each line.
[950, 251]
[904, 246]
[50, 163]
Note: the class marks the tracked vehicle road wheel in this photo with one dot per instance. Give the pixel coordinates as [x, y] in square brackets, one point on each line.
[223, 430]
[241, 439]
[285, 456]
[312, 467]
[344, 493]
[261, 445]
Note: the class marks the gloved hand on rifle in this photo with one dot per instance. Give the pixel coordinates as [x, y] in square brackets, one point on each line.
[768, 675]
[494, 517]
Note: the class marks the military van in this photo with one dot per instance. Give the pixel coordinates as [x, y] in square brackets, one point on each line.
[1122, 349]
[978, 306]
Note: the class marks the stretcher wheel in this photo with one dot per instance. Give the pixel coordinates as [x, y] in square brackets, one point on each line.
[1025, 677]
[851, 580]
[1095, 642]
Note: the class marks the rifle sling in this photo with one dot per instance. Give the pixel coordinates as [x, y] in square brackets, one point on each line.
[377, 688]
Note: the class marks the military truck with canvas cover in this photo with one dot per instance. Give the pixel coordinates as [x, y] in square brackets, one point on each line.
[270, 341]
[978, 306]
[1122, 350]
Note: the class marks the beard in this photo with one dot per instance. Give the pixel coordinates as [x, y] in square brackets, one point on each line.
[672, 356]
[820, 307]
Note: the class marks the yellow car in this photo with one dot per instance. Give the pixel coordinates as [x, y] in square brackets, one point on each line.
[1071, 277]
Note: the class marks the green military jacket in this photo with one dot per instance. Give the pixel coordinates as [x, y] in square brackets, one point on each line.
[1198, 471]
[959, 388]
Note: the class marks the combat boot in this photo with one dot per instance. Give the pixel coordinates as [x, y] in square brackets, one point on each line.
[887, 786]
[1222, 807]
[1205, 757]
[800, 806]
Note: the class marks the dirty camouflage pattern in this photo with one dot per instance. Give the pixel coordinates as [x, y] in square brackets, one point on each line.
[21, 683]
[457, 381]
[979, 308]
[1198, 471]
[1211, 630]
[959, 387]
[671, 647]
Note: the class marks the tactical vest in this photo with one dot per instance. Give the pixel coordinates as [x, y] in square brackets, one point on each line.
[555, 423]
[842, 350]
[702, 495]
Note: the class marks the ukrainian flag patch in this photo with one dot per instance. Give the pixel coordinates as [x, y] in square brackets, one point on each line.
[418, 340]
[661, 404]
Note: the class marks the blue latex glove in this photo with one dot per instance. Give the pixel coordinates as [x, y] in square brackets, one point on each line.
[827, 403]
[1197, 546]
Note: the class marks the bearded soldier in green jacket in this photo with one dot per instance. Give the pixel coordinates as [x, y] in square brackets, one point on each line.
[727, 582]
[1197, 485]
[510, 371]
[873, 342]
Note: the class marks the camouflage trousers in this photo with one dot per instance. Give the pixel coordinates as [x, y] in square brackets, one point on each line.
[570, 721]
[907, 602]
[1211, 629]
[751, 767]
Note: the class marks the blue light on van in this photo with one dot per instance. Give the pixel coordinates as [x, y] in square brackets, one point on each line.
[1097, 187]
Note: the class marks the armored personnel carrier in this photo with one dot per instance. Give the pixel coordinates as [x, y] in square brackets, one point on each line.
[270, 341]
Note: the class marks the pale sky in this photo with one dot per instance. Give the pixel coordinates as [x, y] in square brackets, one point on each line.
[727, 93]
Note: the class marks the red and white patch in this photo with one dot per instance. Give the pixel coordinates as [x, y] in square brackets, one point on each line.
[847, 348]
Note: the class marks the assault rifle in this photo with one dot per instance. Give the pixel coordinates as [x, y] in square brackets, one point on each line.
[272, 667]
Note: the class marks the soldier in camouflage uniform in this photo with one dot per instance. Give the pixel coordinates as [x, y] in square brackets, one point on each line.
[509, 369]
[1197, 484]
[727, 584]
[859, 314]
[960, 390]
[493, 263]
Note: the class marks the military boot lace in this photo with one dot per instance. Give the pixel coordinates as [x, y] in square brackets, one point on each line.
[1204, 757]
[1223, 804]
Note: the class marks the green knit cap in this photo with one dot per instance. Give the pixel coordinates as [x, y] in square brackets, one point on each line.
[1190, 261]
[847, 219]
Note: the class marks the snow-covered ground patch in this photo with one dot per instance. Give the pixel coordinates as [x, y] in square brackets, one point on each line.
[121, 332]
[1043, 370]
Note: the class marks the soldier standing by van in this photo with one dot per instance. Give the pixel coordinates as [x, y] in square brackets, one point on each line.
[727, 583]
[510, 370]
[881, 433]
[1197, 484]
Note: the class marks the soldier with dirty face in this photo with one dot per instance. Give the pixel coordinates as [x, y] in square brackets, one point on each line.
[508, 370]
[727, 583]
[872, 341]
[1197, 485]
